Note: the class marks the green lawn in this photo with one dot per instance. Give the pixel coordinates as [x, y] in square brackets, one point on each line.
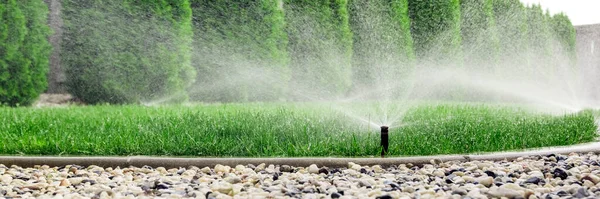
[280, 129]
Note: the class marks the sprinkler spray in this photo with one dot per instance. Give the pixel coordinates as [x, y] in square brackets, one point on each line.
[384, 140]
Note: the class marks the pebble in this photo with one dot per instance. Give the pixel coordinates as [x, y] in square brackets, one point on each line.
[313, 169]
[556, 176]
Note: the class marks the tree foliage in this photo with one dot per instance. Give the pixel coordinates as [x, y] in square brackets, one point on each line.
[382, 43]
[436, 31]
[566, 37]
[479, 35]
[320, 46]
[127, 51]
[235, 43]
[24, 51]
[512, 31]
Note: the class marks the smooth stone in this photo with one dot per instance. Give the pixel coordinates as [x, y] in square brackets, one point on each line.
[7, 179]
[439, 173]
[364, 183]
[560, 173]
[233, 179]
[222, 187]
[378, 169]
[313, 169]
[286, 168]
[591, 177]
[354, 166]
[222, 169]
[534, 180]
[76, 180]
[459, 191]
[335, 195]
[205, 170]
[260, 167]
[485, 181]
[581, 193]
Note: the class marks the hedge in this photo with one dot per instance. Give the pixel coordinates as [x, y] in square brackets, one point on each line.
[24, 51]
[240, 50]
[436, 31]
[320, 47]
[127, 51]
[540, 42]
[480, 40]
[382, 43]
[566, 37]
[512, 31]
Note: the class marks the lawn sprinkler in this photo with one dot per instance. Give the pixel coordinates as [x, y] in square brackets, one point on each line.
[384, 140]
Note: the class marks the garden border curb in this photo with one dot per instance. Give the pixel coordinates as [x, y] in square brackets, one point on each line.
[176, 162]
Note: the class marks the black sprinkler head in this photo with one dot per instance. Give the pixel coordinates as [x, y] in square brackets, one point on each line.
[384, 140]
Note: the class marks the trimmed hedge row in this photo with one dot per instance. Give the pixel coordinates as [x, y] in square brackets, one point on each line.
[127, 51]
[235, 42]
[565, 34]
[24, 51]
[258, 50]
[320, 46]
[480, 42]
[382, 43]
[436, 31]
[512, 30]
[540, 39]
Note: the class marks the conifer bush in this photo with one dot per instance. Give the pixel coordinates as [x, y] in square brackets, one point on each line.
[382, 43]
[436, 31]
[565, 35]
[240, 50]
[127, 51]
[320, 47]
[479, 37]
[512, 31]
[24, 51]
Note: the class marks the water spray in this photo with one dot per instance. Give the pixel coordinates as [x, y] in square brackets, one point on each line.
[384, 140]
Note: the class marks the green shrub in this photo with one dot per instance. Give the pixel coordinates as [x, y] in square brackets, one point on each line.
[479, 40]
[127, 51]
[24, 51]
[240, 50]
[436, 31]
[565, 34]
[320, 46]
[540, 37]
[512, 31]
[383, 51]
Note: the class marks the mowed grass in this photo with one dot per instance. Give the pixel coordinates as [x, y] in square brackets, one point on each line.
[279, 130]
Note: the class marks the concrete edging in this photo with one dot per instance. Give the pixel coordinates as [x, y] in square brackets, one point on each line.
[176, 162]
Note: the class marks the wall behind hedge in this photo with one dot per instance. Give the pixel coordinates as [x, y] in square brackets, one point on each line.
[24, 51]
[127, 51]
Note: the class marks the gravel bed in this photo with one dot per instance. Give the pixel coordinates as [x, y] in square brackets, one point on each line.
[553, 176]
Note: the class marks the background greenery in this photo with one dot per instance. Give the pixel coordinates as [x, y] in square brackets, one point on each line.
[127, 51]
[24, 51]
[480, 42]
[382, 43]
[436, 31]
[257, 50]
[234, 38]
[320, 45]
